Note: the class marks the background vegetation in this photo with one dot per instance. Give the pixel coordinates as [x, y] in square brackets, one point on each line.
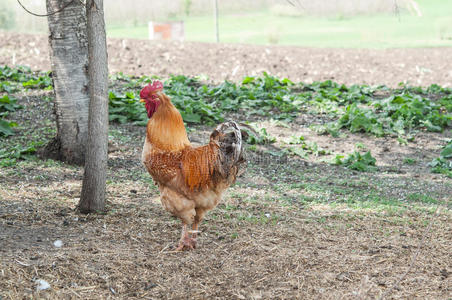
[346, 23]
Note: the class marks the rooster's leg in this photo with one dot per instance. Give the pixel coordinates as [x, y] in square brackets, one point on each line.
[186, 242]
[195, 229]
[198, 217]
[194, 233]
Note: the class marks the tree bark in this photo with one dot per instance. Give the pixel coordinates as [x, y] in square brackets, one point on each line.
[93, 189]
[69, 60]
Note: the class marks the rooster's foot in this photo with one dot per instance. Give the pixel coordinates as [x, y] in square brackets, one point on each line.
[186, 243]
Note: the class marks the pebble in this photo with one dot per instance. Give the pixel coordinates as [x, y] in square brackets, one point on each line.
[58, 243]
[42, 285]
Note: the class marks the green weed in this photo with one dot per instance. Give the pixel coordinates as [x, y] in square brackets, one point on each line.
[259, 136]
[357, 161]
[409, 161]
[11, 79]
[303, 148]
[443, 163]
[9, 157]
[124, 108]
[7, 104]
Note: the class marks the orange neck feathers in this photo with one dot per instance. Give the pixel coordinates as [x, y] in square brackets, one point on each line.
[166, 130]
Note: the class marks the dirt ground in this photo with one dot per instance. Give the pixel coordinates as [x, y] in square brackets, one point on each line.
[415, 66]
[270, 238]
[259, 243]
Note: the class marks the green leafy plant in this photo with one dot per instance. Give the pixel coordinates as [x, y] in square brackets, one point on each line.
[356, 108]
[357, 161]
[11, 81]
[202, 103]
[38, 82]
[358, 119]
[409, 161]
[446, 103]
[443, 163]
[258, 136]
[7, 105]
[304, 147]
[397, 114]
[189, 96]
[337, 160]
[10, 77]
[266, 95]
[9, 157]
[125, 108]
[6, 127]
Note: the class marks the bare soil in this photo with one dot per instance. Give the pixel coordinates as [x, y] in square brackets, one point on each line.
[414, 66]
[282, 232]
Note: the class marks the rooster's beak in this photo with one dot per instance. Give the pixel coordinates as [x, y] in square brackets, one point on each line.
[142, 100]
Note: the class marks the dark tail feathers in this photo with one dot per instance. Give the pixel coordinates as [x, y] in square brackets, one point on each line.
[229, 138]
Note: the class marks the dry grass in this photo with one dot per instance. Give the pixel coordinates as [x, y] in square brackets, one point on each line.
[314, 253]
[260, 243]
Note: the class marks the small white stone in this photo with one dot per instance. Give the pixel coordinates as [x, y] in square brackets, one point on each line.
[58, 243]
[42, 285]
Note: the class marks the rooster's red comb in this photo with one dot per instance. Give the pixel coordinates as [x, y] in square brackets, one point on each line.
[150, 89]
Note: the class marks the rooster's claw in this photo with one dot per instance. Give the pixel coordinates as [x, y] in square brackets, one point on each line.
[186, 243]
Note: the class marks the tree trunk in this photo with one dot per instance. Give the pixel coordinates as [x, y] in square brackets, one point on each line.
[69, 60]
[93, 189]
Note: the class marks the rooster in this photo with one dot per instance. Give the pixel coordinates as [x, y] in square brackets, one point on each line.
[191, 179]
